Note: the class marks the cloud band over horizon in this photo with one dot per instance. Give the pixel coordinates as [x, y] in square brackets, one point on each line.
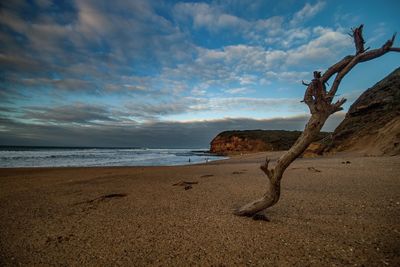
[166, 134]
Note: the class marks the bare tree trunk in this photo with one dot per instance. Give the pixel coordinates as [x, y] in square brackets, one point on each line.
[272, 195]
[321, 107]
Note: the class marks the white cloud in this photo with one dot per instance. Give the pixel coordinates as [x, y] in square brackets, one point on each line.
[91, 21]
[294, 37]
[207, 16]
[161, 110]
[216, 20]
[273, 25]
[238, 91]
[245, 64]
[246, 104]
[326, 46]
[248, 79]
[288, 76]
[200, 89]
[307, 12]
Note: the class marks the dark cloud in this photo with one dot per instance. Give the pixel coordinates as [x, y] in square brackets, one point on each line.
[85, 44]
[68, 84]
[77, 113]
[7, 109]
[8, 95]
[19, 63]
[152, 135]
[154, 110]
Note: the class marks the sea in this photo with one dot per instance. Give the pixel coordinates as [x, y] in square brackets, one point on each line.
[15, 157]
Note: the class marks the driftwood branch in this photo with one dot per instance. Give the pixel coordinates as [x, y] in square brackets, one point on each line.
[358, 39]
[338, 105]
[266, 170]
[360, 57]
[304, 83]
[319, 101]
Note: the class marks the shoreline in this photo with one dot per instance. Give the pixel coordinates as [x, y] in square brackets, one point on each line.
[230, 158]
[341, 214]
[76, 157]
[116, 166]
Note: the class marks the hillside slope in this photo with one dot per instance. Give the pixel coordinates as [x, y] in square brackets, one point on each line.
[372, 124]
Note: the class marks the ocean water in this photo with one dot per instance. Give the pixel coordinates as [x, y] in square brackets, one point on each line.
[11, 157]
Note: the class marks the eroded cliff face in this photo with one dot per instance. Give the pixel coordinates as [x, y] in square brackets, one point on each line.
[372, 124]
[234, 142]
[223, 145]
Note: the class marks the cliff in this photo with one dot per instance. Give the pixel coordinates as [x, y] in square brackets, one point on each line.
[372, 124]
[232, 142]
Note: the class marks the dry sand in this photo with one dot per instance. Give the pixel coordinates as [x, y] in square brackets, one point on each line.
[346, 214]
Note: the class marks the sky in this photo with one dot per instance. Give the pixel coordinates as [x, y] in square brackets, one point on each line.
[173, 74]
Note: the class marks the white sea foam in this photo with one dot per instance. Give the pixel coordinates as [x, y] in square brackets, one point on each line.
[84, 157]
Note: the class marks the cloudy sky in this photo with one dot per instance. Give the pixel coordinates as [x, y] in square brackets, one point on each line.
[174, 73]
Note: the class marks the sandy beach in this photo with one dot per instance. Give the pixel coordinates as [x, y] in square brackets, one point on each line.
[339, 210]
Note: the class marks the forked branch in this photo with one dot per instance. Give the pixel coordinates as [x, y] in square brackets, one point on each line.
[266, 170]
[358, 58]
[358, 39]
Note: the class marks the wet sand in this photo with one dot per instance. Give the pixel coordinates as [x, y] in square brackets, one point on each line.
[338, 210]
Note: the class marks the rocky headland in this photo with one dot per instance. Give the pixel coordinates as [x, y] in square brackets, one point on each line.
[249, 141]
